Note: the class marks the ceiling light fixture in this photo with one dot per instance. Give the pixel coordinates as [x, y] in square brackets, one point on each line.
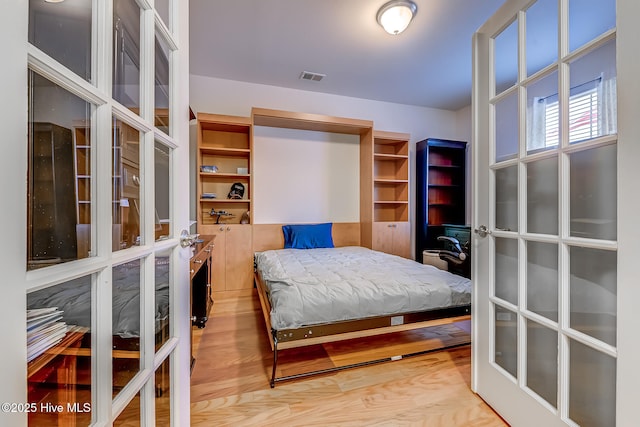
[395, 16]
[53, 1]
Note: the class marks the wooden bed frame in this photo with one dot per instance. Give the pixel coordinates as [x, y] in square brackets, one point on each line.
[269, 236]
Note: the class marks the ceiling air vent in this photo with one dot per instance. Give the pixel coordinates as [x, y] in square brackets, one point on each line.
[308, 75]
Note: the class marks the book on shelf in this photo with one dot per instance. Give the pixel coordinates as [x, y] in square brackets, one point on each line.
[45, 329]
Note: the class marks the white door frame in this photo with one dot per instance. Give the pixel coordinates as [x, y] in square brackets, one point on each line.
[16, 280]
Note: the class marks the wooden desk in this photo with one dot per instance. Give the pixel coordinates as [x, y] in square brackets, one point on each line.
[57, 366]
[201, 300]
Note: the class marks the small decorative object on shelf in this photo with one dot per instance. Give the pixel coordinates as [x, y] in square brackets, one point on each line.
[220, 213]
[209, 168]
[209, 195]
[237, 191]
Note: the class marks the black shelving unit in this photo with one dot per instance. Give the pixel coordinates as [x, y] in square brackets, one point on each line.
[440, 190]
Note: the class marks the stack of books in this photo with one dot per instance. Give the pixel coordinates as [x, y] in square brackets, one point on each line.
[45, 328]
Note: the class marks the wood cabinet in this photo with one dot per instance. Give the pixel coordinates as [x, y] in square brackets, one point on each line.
[393, 238]
[440, 189]
[224, 158]
[232, 258]
[384, 190]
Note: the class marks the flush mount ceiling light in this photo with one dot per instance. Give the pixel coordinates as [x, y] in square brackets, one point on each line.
[53, 1]
[395, 16]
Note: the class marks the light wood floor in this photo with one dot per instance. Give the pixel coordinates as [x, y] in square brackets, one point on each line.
[230, 379]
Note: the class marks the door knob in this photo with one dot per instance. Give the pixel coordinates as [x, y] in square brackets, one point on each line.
[482, 231]
[187, 239]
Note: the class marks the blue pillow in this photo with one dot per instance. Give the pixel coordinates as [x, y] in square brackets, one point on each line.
[307, 236]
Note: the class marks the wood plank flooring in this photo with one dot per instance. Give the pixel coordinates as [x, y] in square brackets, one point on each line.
[230, 379]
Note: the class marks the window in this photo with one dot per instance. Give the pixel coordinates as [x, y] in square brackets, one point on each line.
[583, 114]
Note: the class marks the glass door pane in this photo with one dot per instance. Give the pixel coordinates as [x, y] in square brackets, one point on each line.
[542, 366]
[589, 19]
[71, 23]
[592, 386]
[59, 353]
[506, 58]
[59, 181]
[126, 54]
[506, 112]
[542, 196]
[592, 193]
[593, 293]
[506, 209]
[506, 340]
[542, 279]
[542, 35]
[162, 89]
[126, 309]
[162, 180]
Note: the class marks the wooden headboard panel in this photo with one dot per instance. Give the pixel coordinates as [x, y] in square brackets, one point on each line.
[269, 236]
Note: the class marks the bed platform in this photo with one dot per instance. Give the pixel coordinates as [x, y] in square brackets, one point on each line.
[297, 334]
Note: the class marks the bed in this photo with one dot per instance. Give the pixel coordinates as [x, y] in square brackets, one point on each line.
[315, 291]
[73, 298]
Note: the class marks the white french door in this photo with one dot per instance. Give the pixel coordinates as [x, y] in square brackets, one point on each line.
[96, 301]
[555, 82]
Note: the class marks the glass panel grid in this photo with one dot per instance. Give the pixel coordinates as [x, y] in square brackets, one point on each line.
[78, 55]
[588, 193]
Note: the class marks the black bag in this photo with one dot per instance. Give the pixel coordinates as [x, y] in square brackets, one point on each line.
[237, 191]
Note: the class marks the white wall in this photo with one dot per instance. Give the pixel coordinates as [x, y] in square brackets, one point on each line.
[463, 133]
[219, 96]
[291, 182]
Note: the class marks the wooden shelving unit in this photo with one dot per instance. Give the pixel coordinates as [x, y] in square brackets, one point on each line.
[82, 145]
[388, 182]
[390, 176]
[224, 142]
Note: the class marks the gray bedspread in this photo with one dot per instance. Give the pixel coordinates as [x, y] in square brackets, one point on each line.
[314, 286]
[73, 298]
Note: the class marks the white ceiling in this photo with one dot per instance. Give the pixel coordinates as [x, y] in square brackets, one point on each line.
[272, 41]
